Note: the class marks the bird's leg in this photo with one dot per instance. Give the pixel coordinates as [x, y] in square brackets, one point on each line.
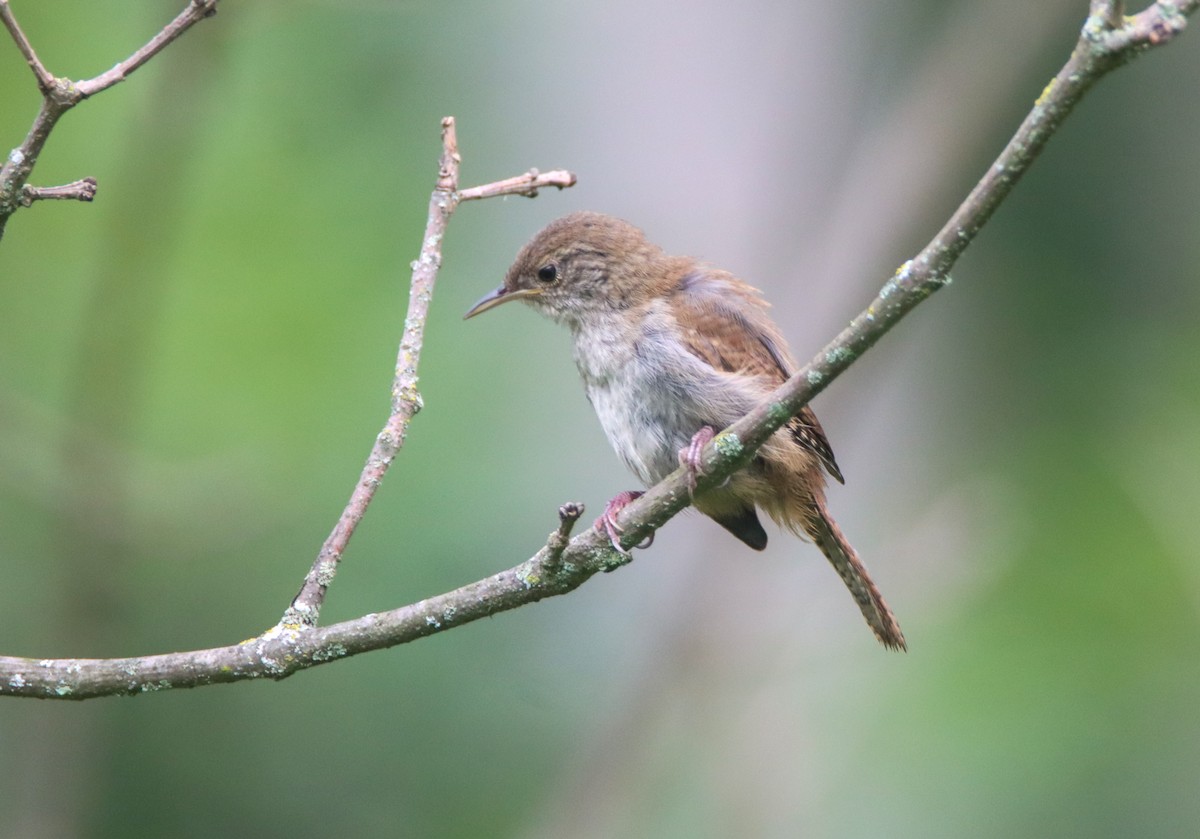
[608, 520]
[689, 457]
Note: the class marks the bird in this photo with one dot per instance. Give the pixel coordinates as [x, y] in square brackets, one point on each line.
[670, 348]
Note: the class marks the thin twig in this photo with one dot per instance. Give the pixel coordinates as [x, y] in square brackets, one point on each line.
[81, 190]
[527, 185]
[568, 514]
[406, 399]
[196, 11]
[284, 650]
[44, 79]
[59, 95]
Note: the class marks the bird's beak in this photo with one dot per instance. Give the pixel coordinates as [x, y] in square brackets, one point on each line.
[497, 296]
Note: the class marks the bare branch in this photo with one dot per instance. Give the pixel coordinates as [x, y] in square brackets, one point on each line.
[527, 185]
[406, 399]
[196, 11]
[81, 190]
[282, 651]
[59, 95]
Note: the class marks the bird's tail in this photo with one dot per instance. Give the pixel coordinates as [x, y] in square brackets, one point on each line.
[823, 530]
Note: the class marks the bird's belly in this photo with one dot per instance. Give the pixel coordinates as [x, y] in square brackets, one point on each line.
[645, 421]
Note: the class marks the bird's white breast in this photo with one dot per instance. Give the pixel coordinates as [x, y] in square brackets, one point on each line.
[639, 378]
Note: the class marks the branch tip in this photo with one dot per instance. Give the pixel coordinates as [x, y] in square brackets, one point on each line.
[526, 185]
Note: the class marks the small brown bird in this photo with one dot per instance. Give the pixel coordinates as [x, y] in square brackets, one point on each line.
[670, 349]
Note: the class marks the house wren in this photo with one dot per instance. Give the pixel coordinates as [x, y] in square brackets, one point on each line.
[670, 349]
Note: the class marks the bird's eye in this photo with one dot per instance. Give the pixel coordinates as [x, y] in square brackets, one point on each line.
[548, 273]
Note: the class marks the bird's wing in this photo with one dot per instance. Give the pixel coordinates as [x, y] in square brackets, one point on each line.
[724, 323]
[806, 428]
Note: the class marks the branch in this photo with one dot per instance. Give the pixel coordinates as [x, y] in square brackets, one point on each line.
[282, 651]
[406, 400]
[59, 95]
[558, 568]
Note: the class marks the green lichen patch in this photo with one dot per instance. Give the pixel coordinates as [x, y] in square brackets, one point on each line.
[727, 444]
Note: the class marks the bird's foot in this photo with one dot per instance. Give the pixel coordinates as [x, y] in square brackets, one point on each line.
[689, 456]
[608, 520]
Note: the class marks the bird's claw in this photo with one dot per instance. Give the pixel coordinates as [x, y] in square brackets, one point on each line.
[608, 520]
[689, 457]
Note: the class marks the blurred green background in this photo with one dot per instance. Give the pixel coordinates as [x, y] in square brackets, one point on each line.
[193, 367]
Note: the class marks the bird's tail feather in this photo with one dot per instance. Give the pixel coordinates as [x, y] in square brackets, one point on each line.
[824, 531]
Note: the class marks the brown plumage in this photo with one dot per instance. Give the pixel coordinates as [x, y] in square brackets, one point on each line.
[668, 348]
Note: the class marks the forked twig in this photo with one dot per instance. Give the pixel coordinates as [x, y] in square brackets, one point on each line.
[406, 399]
[59, 95]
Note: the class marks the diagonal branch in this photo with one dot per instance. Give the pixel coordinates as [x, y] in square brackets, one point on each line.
[196, 11]
[1100, 48]
[557, 569]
